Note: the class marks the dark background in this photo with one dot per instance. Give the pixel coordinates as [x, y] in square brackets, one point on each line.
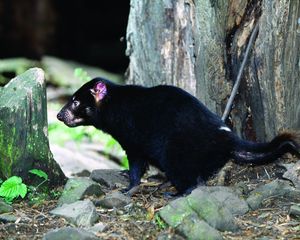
[87, 31]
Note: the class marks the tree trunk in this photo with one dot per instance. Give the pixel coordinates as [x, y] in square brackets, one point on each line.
[23, 128]
[199, 45]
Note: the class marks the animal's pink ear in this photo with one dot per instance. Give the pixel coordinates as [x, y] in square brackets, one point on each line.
[99, 91]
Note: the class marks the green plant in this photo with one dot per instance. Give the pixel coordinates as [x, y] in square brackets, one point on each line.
[55, 193]
[40, 174]
[13, 188]
[82, 75]
[37, 197]
[159, 222]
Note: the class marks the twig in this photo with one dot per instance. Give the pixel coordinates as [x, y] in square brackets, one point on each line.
[239, 76]
[269, 177]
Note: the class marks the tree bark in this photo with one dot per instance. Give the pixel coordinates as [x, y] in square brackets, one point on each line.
[274, 72]
[23, 128]
[199, 45]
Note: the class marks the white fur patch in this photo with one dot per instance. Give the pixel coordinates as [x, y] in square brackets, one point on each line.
[227, 129]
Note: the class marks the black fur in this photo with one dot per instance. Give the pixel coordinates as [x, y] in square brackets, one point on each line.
[168, 128]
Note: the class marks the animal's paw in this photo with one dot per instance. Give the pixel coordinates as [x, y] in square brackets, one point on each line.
[130, 190]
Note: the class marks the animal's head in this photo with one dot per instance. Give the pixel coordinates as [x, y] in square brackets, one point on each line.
[82, 108]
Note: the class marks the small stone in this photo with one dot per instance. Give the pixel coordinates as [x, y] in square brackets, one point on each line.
[80, 213]
[169, 236]
[7, 217]
[97, 228]
[278, 188]
[110, 178]
[69, 233]
[83, 173]
[5, 208]
[295, 210]
[76, 188]
[293, 173]
[114, 200]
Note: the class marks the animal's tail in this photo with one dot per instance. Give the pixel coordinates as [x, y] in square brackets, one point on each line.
[260, 153]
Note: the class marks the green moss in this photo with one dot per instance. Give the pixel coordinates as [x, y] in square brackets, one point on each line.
[175, 212]
[6, 149]
[23, 144]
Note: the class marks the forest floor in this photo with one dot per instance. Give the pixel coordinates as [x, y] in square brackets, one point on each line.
[272, 221]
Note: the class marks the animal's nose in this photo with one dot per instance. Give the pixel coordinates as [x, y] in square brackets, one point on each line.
[60, 116]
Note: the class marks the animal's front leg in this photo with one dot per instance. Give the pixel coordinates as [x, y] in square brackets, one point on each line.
[137, 168]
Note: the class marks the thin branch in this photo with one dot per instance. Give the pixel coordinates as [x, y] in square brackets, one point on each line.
[239, 76]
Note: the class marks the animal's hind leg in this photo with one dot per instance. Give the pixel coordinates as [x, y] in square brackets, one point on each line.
[184, 183]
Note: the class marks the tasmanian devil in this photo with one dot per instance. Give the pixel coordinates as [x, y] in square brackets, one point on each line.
[167, 127]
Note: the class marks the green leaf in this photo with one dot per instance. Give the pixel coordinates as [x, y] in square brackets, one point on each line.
[13, 188]
[39, 173]
[23, 190]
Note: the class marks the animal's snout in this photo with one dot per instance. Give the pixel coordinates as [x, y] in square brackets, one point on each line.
[60, 117]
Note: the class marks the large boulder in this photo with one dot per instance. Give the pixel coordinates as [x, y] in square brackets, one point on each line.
[23, 128]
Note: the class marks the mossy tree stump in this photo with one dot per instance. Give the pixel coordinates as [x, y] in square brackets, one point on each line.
[24, 141]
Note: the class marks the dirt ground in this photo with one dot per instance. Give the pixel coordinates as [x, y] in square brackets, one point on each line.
[138, 221]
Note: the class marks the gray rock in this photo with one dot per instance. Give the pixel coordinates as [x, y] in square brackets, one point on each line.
[295, 210]
[70, 234]
[76, 188]
[110, 178]
[198, 215]
[174, 213]
[80, 213]
[293, 173]
[97, 228]
[114, 200]
[178, 214]
[277, 187]
[169, 236]
[195, 229]
[211, 210]
[5, 208]
[7, 217]
[228, 198]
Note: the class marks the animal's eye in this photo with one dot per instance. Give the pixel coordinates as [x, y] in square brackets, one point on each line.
[76, 103]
